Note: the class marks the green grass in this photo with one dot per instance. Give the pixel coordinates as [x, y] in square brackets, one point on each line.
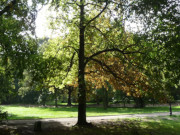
[21, 112]
[168, 125]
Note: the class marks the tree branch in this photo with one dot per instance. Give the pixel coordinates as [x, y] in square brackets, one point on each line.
[108, 69]
[65, 47]
[100, 31]
[97, 14]
[75, 2]
[76, 50]
[100, 52]
[110, 50]
[71, 63]
[8, 7]
[104, 65]
[129, 46]
[90, 72]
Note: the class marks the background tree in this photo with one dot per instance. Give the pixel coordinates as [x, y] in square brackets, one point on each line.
[162, 38]
[28, 90]
[17, 40]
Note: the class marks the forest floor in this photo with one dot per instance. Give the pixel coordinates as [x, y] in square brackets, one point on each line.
[52, 126]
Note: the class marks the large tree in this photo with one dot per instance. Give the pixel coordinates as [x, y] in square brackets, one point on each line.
[98, 26]
[86, 18]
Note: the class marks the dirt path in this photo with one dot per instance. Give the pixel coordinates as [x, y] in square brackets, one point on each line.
[47, 124]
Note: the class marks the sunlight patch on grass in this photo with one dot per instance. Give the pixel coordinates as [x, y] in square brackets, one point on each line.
[22, 112]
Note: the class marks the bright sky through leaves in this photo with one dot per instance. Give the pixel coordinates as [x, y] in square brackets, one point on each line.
[42, 24]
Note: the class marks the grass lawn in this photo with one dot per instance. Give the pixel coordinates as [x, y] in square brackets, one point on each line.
[21, 112]
[169, 125]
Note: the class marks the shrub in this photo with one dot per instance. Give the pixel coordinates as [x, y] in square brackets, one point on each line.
[3, 115]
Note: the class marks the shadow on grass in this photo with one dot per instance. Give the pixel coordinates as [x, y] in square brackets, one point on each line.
[158, 126]
[26, 127]
[104, 128]
[124, 127]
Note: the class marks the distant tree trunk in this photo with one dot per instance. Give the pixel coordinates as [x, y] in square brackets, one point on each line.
[16, 84]
[70, 90]
[153, 101]
[97, 100]
[44, 96]
[64, 97]
[124, 103]
[56, 97]
[170, 109]
[139, 102]
[105, 98]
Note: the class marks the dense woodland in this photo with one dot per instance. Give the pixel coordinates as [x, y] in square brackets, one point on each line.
[97, 56]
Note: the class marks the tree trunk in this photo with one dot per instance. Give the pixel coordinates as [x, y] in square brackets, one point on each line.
[16, 84]
[97, 100]
[139, 102]
[56, 100]
[81, 81]
[70, 89]
[105, 98]
[170, 109]
[124, 102]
